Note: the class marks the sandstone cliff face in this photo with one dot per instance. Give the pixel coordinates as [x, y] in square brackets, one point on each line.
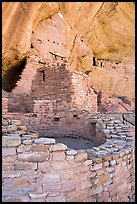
[104, 30]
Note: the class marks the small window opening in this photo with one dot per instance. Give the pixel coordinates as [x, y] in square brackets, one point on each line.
[101, 64]
[56, 119]
[32, 45]
[43, 76]
[75, 116]
[94, 61]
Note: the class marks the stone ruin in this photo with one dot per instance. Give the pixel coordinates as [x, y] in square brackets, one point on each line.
[38, 166]
[40, 169]
[50, 101]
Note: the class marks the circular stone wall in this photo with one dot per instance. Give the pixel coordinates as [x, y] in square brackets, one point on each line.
[37, 169]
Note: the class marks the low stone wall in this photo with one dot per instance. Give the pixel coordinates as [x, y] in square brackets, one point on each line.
[127, 118]
[63, 124]
[37, 169]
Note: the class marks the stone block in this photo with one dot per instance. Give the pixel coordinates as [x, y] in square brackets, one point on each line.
[106, 164]
[50, 177]
[8, 152]
[60, 165]
[21, 183]
[4, 122]
[100, 171]
[34, 157]
[71, 152]
[115, 156]
[86, 184]
[11, 128]
[96, 190]
[39, 189]
[39, 148]
[103, 197]
[58, 156]
[11, 174]
[51, 187]
[102, 179]
[81, 156]
[34, 134]
[66, 174]
[22, 134]
[4, 130]
[22, 127]
[110, 170]
[80, 169]
[70, 158]
[124, 163]
[11, 141]
[10, 158]
[27, 142]
[58, 147]
[112, 162]
[93, 174]
[23, 148]
[45, 166]
[7, 166]
[19, 165]
[36, 195]
[44, 141]
[97, 160]
[96, 166]
[115, 198]
[85, 176]
[88, 162]
[107, 157]
[68, 187]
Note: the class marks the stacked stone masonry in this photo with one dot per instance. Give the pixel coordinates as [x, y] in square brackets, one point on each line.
[37, 169]
[4, 105]
[55, 86]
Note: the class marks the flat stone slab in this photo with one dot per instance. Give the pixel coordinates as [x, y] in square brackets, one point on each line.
[34, 157]
[58, 147]
[44, 141]
[33, 195]
[71, 152]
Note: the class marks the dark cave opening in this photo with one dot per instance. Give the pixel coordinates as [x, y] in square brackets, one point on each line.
[12, 75]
